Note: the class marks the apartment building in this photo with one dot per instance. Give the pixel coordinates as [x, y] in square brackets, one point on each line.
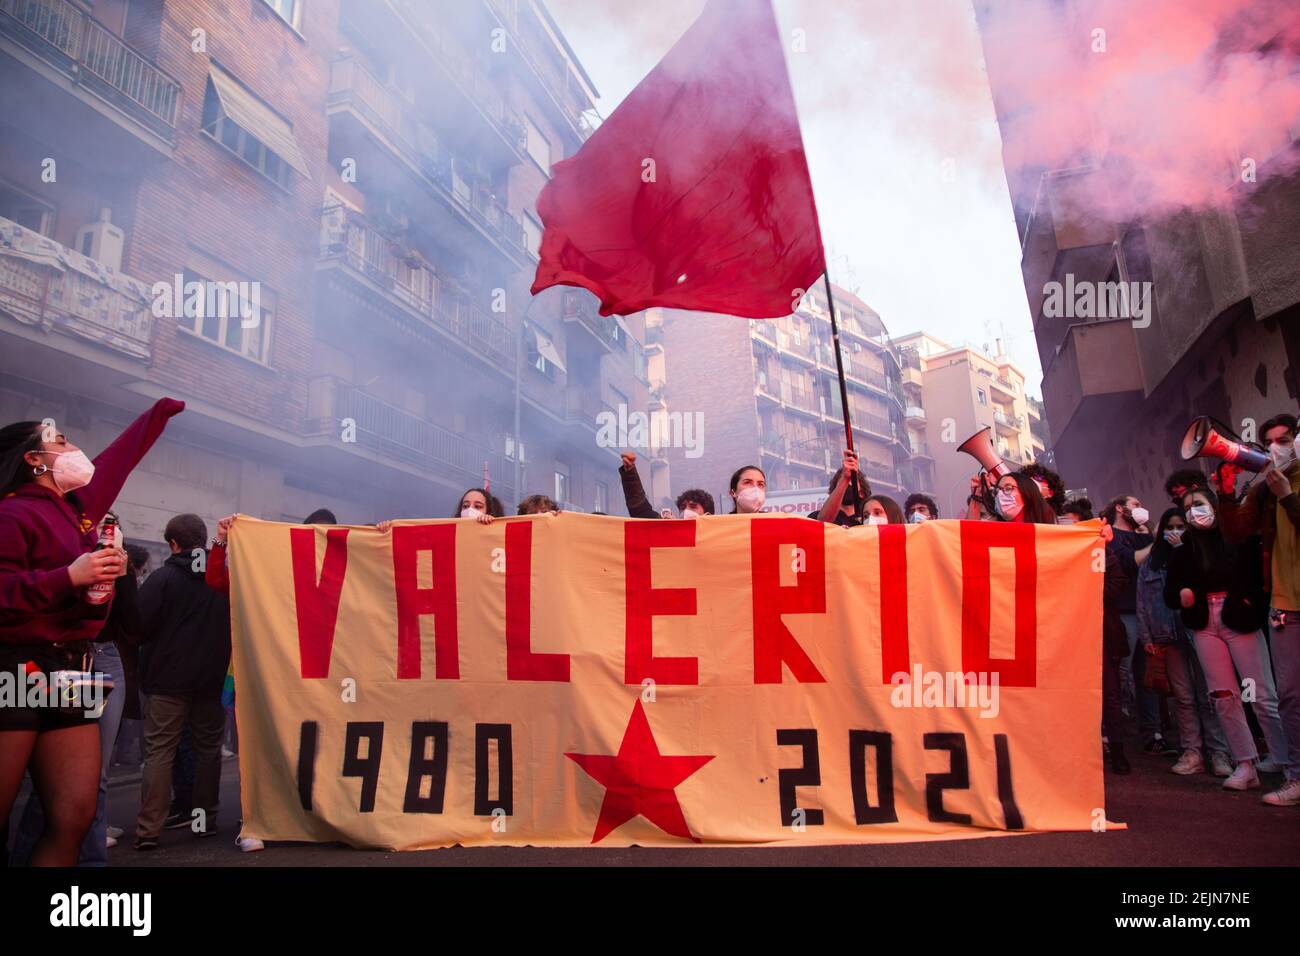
[350, 187]
[1222, 335]
[769, 394]
[952, 394]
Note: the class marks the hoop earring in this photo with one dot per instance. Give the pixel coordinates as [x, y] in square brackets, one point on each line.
[40, 469]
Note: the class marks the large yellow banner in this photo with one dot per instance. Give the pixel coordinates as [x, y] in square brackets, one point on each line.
[568, 680]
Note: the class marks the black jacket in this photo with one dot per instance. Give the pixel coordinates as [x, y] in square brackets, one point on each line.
[1236, 569]
[634, 494]
[186, 628]
[1117, 584]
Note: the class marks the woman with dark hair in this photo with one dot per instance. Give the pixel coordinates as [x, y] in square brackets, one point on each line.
[748, 490]
[1219, 589]
[881, 509]
[52, 500]
[1049, 483]
[847, 494]
[532, 505]
[481, 505]
[1161, 634]
[1017, 499]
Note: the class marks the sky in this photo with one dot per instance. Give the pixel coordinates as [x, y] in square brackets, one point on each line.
[902, 145]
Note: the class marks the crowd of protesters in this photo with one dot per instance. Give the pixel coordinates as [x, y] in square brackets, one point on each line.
[1201, 622]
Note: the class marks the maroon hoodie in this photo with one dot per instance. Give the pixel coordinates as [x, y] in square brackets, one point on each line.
[42, 532]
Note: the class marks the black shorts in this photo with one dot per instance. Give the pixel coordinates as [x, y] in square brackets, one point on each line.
[16, 712]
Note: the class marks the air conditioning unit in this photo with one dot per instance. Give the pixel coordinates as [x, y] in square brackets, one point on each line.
[102, 241]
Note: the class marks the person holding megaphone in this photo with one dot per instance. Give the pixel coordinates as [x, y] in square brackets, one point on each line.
[1271, 509]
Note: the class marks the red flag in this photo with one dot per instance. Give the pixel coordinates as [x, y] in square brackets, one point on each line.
[694, 194]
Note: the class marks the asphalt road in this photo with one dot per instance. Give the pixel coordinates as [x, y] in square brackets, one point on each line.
[1172, 821]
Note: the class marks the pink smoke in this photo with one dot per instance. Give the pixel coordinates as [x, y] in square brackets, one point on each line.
[1183, 92]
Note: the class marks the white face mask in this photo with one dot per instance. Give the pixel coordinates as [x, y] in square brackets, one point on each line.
[917, 517]
[690, 513]
[750, 500]
[470, 512]
[1283, 455]
[1201, 515]
[1174, 537]
[1141, 516]
[1008, 506]
[71, 470]
[877, 519]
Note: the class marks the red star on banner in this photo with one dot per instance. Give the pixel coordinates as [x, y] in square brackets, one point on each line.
[639, 781]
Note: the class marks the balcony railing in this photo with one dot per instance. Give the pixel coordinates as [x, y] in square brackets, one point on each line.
[472, 79]
[799, 398]
[47, 285]
[772, 443]
[400, 435]
[915, 412]
[394, 116]
[1002, 418]
[580, 308]
[92, 55]
[348, 237]
[584, 405]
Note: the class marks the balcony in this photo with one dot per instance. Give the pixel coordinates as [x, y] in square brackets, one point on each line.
[764, 330]
[364, 109]
[1096, 364]
[93, 64]
[801, 349]
[920, 449]
[800, 399]
[878, 472]
[578, 307]
[388, 270]
[48, 286]
[399, 436]
[810, 452]
[912, 376]
[772, 445]
[583, 405]
[1008, 390]
[915, 415]
[875, 425]
[554, 79]
[1004, 422]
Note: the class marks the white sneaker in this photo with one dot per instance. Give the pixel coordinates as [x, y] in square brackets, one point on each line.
[1287, 795]
[1189, 763]
[115, 832]
[227, 752]
[111, 841]
[250, 844]
[1220, 765]
[1268, 765]
[1243, 778]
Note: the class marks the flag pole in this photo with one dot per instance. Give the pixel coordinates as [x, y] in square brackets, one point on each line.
[839, 358]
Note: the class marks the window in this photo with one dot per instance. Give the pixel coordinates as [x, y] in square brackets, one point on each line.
[29, 213]
[532, 234]
[561, 483]
[848, 361]
[602, 497]
[287, 10]
[540, 362]
[244, 125]
[620, 336]
[639, 366]
[983, 398]
[539, 147]
[219, 310]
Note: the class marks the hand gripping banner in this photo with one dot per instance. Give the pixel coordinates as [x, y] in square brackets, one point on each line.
[570, 680]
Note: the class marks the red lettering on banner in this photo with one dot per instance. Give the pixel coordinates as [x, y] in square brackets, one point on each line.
[773, 642]
[644, 603]
[317, 603]
[521, 662]
[895, 654]
[977, 537]
[413, 601]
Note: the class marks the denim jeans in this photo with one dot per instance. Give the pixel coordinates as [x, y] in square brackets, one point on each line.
[1286, 664]
[1148, 703]
[94, 849]
[1198, 725]
[1225, 654]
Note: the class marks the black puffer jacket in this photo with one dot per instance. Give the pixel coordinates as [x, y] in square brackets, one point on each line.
[186, 628]
[1236, 570]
